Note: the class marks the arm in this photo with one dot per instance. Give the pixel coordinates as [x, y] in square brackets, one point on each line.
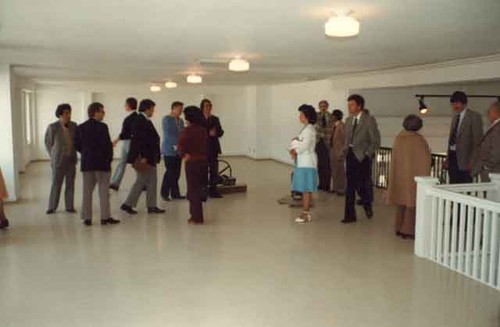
[219, 132]
[307, 142]
[49, 139]
[374, 138]
[477, 134]
[78, 139]
[107, 144]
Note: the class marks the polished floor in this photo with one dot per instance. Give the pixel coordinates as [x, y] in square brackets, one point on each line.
[250, 265]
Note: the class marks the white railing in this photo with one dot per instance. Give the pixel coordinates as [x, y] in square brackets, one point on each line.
[458, 226]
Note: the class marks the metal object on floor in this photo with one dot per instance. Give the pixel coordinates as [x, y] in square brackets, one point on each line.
[227, 182]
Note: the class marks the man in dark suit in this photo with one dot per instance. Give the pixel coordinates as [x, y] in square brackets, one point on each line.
[125, 136]
[362, 141]
[144, 155]
[59, 143]
[466, 132]
[93, 142]
[215, 132]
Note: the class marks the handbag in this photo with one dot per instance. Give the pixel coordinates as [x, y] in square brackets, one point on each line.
[139, 165]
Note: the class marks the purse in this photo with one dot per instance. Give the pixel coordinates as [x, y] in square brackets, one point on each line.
[139, 165]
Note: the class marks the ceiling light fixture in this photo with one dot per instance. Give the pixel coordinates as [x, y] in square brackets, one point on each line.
[170, 85]
[422, 106]
[239, 65]
[194, 79]
[342, 25]
[155, 88]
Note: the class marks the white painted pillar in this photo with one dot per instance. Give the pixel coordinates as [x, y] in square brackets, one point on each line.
[495, 179]
[423, 216]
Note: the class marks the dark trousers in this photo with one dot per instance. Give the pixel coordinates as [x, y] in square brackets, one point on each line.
[358, 174]
[368, 187]
[324, 169]
[196, 177]
[457, 176]
[170, 183]
[213, 171]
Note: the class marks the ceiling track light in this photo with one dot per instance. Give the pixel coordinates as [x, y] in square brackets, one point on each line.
[155, 88]
[342, 25]
[170, 85]
[422, 106]
[194, 79]
[239, 65]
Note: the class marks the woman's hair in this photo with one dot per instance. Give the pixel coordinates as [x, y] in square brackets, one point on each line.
[194, 115]
[62, 108]
[309, 112]
[146, 104]
[202, 104]
[94, 108]
[132, 103]
[412, 123]
[338, 114]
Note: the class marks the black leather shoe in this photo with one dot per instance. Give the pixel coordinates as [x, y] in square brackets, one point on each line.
[114, 187]
[155, 210]
[359, 202]
[128, 209]
[87, 222]
[70, 210]
[110, 221]
[50, 211]
[214, 194]
[4, 223]
[348, 221]
[179, 197]
[369, 212]
[166, 198]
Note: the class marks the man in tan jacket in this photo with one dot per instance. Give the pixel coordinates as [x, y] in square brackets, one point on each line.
[487, 159]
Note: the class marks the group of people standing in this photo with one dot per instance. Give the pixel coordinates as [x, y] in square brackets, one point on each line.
[333, 156]
[197, 144]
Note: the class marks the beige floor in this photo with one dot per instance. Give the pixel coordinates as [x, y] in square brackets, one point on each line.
[249, 266]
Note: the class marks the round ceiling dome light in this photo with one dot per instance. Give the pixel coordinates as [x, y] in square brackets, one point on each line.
[239, 65]
[170, 85]
[155, 88]
[342, 25]
[194, 79]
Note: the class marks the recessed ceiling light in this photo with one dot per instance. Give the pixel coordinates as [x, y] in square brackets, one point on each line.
[342, 25]
[170, 85]
[155, 88]
[194, 79]
[239, 65]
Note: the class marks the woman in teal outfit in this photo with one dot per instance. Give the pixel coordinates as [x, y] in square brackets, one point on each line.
[302, 150]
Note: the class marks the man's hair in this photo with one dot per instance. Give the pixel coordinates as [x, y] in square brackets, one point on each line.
[62, 108]
[146, 104]
[177, 104]
[458, 96]
[132, 103]
[360, 101]
[94, 108]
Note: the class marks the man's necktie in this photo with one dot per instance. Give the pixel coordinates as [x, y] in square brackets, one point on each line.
[323, 121]
[354, 126]
[454, 132]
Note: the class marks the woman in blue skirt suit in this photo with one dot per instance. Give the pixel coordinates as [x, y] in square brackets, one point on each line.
[302, 150]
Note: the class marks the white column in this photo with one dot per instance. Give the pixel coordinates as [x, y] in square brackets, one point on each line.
[423, 216]
[495, 179]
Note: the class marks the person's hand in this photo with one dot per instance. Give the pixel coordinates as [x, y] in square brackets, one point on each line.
[293, 153]
[115, 142]
[143, 160]
[469, 167]
[445, 164]
[213, 132]
[186, 157]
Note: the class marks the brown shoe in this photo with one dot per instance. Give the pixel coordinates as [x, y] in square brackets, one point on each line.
[192, 221]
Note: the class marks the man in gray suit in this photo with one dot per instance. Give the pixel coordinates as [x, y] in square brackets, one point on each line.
[466, 132]
[59, 143]
[487, 159]
[362, 141]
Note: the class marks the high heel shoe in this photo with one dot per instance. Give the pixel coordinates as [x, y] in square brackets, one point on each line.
[4, 223]
[305, 217]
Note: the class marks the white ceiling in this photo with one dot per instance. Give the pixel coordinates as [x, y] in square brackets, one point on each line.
[131, 41]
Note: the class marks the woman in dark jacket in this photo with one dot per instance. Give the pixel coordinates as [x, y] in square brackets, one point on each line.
[192, 148]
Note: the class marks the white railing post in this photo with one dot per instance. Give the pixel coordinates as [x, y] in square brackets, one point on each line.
[495, 179]
[423, 216]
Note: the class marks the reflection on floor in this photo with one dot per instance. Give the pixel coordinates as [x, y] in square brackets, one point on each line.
[249, 266]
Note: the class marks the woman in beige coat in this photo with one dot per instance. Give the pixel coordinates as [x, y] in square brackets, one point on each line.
[337, 156]
[4, 223]
[411, 157]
